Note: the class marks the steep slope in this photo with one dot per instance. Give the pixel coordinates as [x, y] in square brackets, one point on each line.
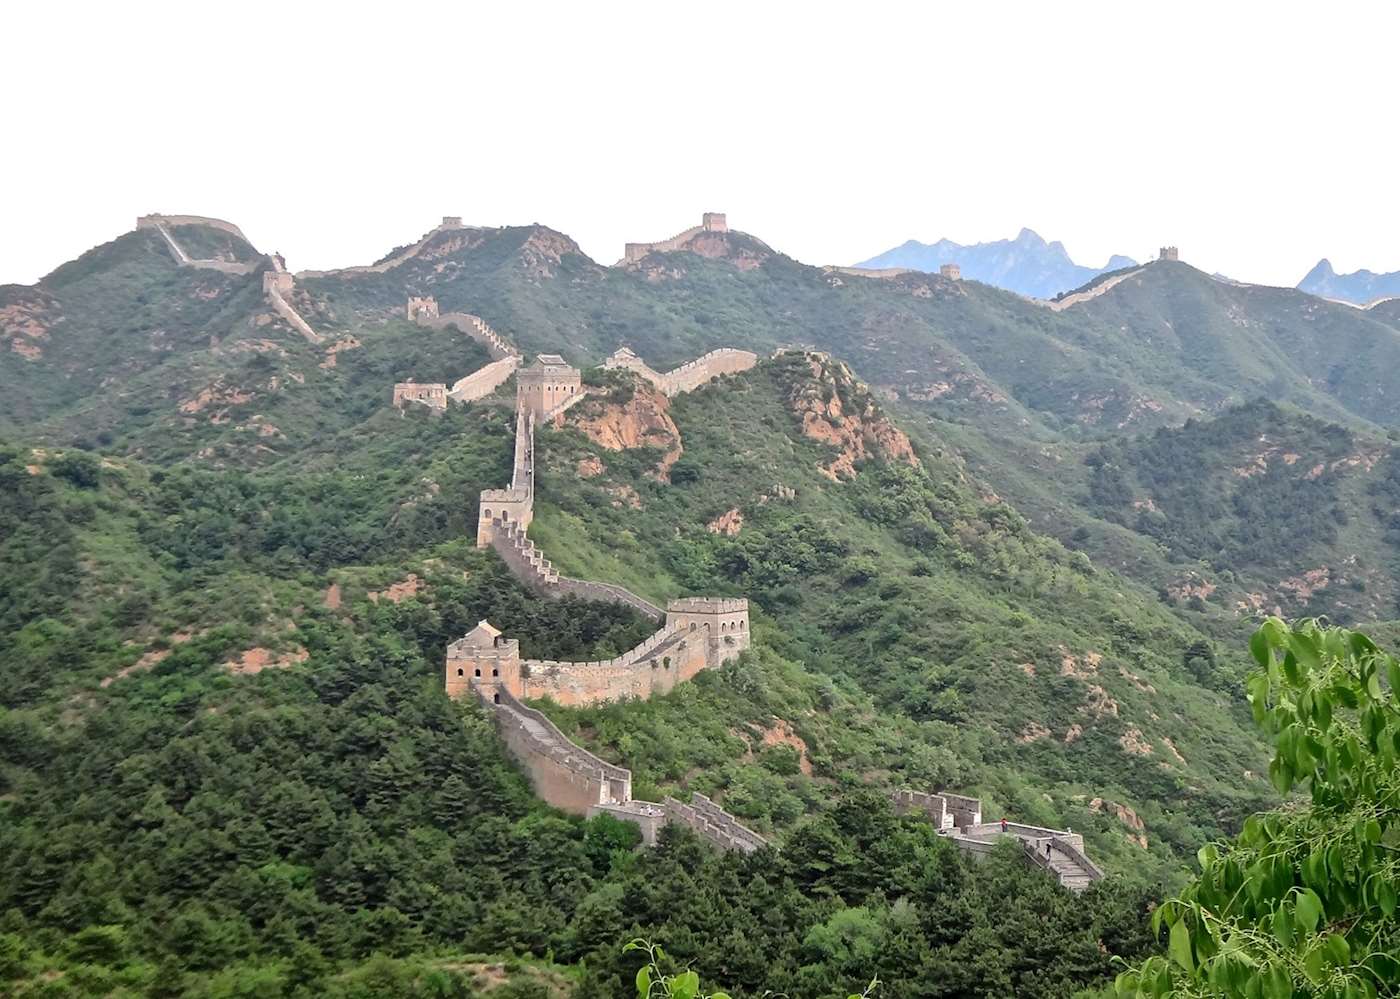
[1162, 343]
[1026, 265]
[1031, 671]
[1360, 287]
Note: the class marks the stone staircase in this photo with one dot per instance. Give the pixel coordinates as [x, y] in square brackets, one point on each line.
[511, 542]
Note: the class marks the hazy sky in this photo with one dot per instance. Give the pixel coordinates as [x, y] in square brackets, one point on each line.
[1258, 137]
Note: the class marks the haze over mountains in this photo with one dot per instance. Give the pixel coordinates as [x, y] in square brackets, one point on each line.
[1362, 287]
[1027, 265]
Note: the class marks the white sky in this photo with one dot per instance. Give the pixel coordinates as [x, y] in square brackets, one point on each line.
[1257, 136]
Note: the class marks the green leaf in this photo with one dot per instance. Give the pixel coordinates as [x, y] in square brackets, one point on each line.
[1373, 686]
[643, 980]
[1308, 910]
[1206, 856]
[1283, 928]
[1386, 897]
[1315, 966]
[1305, 650]
[1338, 949]
[1278, 983]
[685, 986]
[1179, 945]
[1259, 647]
[1392, 672]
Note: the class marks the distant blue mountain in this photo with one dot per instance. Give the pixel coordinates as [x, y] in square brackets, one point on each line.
[1361, 287]
[1026, 265]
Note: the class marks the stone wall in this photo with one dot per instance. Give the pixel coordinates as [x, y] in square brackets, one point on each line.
[474, 327]
[284, 309]
[689, 376]
[433, 395]
[565, 775]
[449, 222]
[714, 824]
[157, 221]
[426, 307]
[484, 380]
[184, 259]
[648, 816]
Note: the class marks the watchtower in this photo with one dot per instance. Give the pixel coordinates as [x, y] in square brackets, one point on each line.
[422, 308]
[727, 619]
[714, 222]
[1168, 253]
[484, 660]
[278, 281]
[546, 384]
[952, 272]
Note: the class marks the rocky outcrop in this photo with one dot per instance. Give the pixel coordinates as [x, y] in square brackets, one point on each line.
[836, 409]
[641, 419]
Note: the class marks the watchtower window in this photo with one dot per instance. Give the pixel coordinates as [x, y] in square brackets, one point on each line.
[495, 698]
[486, 513]
[495, 672]
[461, 672]
[743, 626]
[692, 625]
[477, 672]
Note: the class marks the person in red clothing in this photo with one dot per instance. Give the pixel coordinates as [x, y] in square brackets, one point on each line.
[1003, 823]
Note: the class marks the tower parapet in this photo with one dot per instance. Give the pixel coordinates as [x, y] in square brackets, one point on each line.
[421, 309]
[546, 385]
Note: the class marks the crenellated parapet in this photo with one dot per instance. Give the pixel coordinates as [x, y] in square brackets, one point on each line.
[689, 376]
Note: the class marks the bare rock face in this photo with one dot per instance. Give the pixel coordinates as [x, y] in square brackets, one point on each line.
[1137, 829]
[836, 409]
[641, 420]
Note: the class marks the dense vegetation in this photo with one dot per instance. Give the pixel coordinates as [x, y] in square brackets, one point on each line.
[1303, 901]
[226, 763]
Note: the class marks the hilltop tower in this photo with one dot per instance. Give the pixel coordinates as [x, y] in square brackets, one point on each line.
[547, 384]
[484, 660]
[714, 222]
[1168, 253]
[420, 309]
[952, 272]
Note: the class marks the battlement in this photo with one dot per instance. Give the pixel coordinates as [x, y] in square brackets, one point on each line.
[1169, 253]
[431, 394]
[709, 222]
[279, 281]
[714, 824]
[545, 385]
[422, 308]
[157, 220]
[953, 272]
[689, 376]
[708, 605]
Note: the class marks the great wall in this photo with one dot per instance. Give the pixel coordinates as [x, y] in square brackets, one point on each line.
[694, 634]
[277, 283]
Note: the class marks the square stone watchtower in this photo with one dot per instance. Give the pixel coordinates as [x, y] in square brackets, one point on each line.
[952, 272]
[727, 619]
[714, 222]
[1169, 253]
[546, 384]
[485, 660]
[422, 308]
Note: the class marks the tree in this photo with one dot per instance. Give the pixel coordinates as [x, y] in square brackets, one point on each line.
[1303, 902]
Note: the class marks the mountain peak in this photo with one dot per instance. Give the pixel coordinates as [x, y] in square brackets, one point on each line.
[1027, 265]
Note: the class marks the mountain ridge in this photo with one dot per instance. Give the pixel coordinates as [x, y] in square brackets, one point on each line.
[1362, 287]
[1027, 264]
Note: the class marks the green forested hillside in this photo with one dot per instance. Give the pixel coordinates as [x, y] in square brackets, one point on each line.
[231, 569]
